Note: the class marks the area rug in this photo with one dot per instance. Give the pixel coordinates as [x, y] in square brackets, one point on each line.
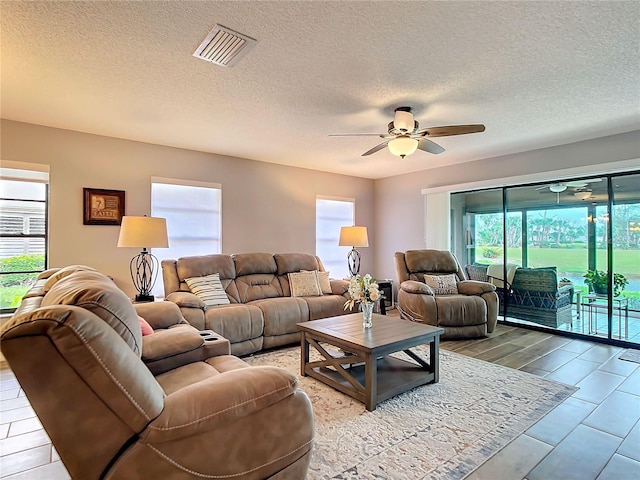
[631, 356]
[436, 432]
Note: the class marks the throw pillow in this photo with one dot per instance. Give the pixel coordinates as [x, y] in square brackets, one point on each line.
[442, 284]
[145, 327]
[325, 284]
[304, 284]
[477, 272]
[323, 281]
[209, 289]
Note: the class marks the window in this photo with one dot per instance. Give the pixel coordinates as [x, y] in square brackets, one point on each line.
[331, 215]
[23, 231]
[194, 218]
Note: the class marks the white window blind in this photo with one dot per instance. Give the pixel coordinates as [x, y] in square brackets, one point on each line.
[331, 215]
[193, 211]
[23, 229]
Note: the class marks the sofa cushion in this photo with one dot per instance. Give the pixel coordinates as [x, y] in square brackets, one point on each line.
[209, 289]
[442, 284]
[304, 284]
[281, 315]
[254, 263]
[325, 306]
[461, 310]
[295, 262]
[235, 322]
[97, 293]
[174, 273]
[65, 272]
[434, 261]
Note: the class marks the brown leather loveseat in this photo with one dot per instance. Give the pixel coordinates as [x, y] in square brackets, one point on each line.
[261, 313]
[75, 345]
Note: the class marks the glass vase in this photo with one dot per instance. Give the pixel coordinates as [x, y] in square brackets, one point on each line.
[367, 312]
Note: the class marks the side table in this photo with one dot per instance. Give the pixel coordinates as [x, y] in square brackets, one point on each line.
[593, 302]
[386, 287]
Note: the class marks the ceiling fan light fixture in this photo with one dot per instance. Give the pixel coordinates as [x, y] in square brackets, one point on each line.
[557, 187]
[403, 146]
[403, 121]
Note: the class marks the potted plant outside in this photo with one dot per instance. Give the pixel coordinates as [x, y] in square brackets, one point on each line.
[598, 282]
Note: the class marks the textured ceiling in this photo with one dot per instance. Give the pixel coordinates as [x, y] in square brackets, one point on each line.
[535, 73]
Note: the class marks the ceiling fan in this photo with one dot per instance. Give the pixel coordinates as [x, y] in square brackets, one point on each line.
[403, 136]
[578, 186]
[562, 186]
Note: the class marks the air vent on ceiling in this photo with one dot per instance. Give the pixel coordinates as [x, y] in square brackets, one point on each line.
[224, 47]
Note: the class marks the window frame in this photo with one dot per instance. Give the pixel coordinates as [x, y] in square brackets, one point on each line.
[17, 171]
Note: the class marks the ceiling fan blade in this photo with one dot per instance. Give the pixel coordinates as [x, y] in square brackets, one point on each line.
[429, 146]
[383, 135]
[375, 149]
[451, 130]
[582, 183]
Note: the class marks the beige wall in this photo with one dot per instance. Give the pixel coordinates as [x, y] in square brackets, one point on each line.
[265, 207]
[400, 207]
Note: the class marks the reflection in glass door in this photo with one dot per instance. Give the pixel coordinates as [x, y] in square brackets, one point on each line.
[565, 238]
[625, 250]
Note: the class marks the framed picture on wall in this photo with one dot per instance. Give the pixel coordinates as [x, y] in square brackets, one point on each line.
[103, 207]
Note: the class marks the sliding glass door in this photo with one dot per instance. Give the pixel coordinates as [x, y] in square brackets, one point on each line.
[567, 252]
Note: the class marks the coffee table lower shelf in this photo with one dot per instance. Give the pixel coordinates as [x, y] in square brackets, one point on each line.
[393, 376]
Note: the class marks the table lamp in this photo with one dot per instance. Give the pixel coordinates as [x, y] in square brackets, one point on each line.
[143, 232]
[353, 237]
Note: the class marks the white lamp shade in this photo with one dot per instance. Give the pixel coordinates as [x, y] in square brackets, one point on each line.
[353, 237]
[403, 146]
[143, 232]
[403, 121]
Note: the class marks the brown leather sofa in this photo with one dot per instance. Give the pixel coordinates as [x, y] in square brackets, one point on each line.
[471, 312]
[76, 347]
[262, 313]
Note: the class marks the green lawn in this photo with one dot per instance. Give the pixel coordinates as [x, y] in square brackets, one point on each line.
[10, 296]
[573, 260]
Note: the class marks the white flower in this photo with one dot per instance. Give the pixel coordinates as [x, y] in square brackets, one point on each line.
[362, 289]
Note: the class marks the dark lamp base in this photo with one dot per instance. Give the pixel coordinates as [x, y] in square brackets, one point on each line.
[144, 298]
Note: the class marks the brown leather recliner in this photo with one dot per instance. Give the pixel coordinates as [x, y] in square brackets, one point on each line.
[77, 355]
[472, 312]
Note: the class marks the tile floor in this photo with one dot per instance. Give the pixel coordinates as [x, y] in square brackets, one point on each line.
[594, 434]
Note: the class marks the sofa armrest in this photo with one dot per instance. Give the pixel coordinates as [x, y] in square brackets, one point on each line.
[160, 314]
[474, 287]
[565, 290]
[186, 299]
[219, 400]
[411, 286]
[166, 343]
[339, 286]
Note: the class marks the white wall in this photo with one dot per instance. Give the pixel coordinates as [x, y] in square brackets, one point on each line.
[400, 210]
[265, 207]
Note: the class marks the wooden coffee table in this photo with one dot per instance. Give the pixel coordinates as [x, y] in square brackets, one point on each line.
[359, 365]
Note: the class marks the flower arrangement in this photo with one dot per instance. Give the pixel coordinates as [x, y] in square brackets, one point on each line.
[363, 289]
